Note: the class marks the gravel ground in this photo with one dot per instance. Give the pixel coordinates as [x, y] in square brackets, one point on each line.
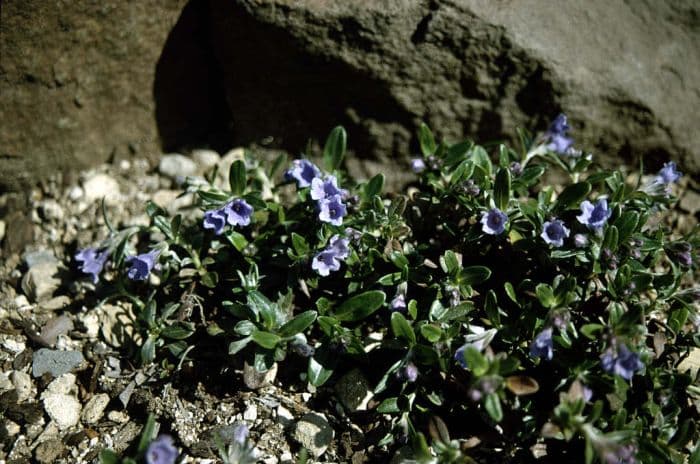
[68, 386]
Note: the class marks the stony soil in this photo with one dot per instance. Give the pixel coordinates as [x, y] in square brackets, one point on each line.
[69, 386]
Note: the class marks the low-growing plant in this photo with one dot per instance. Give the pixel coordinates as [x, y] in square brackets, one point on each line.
[503, 319]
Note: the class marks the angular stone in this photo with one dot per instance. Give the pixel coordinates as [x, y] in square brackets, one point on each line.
[23, 385]
[94, 409]
[40, 281]
[63, 409]
[55, 362]
[314, 433]
[49, 451]
[353, 391]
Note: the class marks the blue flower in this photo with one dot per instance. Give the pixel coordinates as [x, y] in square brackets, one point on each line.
[494, 221]
[409, 373]
[556, 135]
[330, 258]
[303, 171]
[594, 216]
[459, 356]
[325, 188]
[398, 303]
[141, 265]
[238, 212]
[623, 362]
[93, 261]
[240, 434]
[543, 346]
[332, 210]
[554, 232]
[161, 451]
[417, 165]
[668, 174]
[215, 220]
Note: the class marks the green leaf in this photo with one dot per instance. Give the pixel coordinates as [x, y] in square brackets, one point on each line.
[320, 368]
[108, 456]
[210, 279]
[426, 139]
[334, 150]
[265, 339]
[388, 406]
[301, 247]
[510, 291]
[474, 275]
[237, 177]
[431, 332]
[449, 262]
[572, 195]
[476, 362]
[390, 279]
[491, 308]
[244, 328]
[626, 225]
[493, 407]
[236, 239]
[360, 306]
[164, 225]
[300, 323]
[374, 186]
[482, 159]
[610, 239]
[546, 295]
[238, 345]
[178, 331]
[213, 196]
[148, 350]
[501, 189]
[401, 328]
[589, 330]
[147, 434]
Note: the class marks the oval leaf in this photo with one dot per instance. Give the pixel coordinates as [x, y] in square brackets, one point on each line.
[298, 324]
[334, 150]
[401, 328]
[265, 339]
[522, 385]
[426, 139]
[473, 275]
[571, 195]
[501, 189]
[360, 306]
[237, 177]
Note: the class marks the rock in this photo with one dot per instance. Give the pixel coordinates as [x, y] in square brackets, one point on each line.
[170, 200]
[20, 231]
[63, 385]
[54, 328]
[284, 416]
[23, 385]
[176, 166]
[251, 413]
[91, 322]
[690, 201]
[2, 230]
[11, 428]
[49, 451]
[353, 391]
[40, 281]
[118, 416]
[5, 382]
[100, 186]
[55, 303]
[62, 104]
[117, 325]
[32, 258]
[76, 193]
[63, 409]
[255, 380]
[206, 159]
[472, 69]
[314, 433]
[51, 210]
[95, 408]
[55, 362]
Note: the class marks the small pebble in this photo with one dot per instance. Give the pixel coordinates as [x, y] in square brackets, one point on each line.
[94, 409]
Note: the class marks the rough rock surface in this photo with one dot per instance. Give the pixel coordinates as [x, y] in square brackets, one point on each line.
[76, 83]
[627, 72]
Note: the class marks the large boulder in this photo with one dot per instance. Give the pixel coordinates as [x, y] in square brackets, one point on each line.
[627, 73]
[76, 80]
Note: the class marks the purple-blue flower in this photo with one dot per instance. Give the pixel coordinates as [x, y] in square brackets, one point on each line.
[161, 451]
[622, 362]
[238, 212]
[409, 373]
[93, 261]
[668, 174]
[240, 433]
[554, 232]
[332, 210]
[141, 265]
[325, 188]
[303, 171]
[398, 303]
[557, 135]
[417, 165]
[543, 346]
[216, 220]
[329, 259]
[459, 356]
[494, 221]
[594, 216]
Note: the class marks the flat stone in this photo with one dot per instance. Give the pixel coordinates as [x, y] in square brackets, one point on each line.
[690, 201]
[176, 166]
[49, 451]
[32, 258]
[23, 385]
[55, 362]
[94, 409]
[117, 324]
[54, 328]
[102, 186]
[353, 391]
[55, 303]
[40, 281]
[63, 409]
[314, 433]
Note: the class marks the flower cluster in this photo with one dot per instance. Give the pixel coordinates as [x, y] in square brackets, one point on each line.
[324, 190]
[330, 258]
[557, 136]
[235, 213]
[621, 361]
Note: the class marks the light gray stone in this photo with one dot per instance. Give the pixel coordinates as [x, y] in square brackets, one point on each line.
[94, 409]
[100, 186]
[49, 451]
[32, 258]
[55, 362]
[176, 166]
[251, 413]
[63, 409]
[62, 385]
[23, 385]
[284, 416]
[206, 159]
[314, 433]
[40, 281]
